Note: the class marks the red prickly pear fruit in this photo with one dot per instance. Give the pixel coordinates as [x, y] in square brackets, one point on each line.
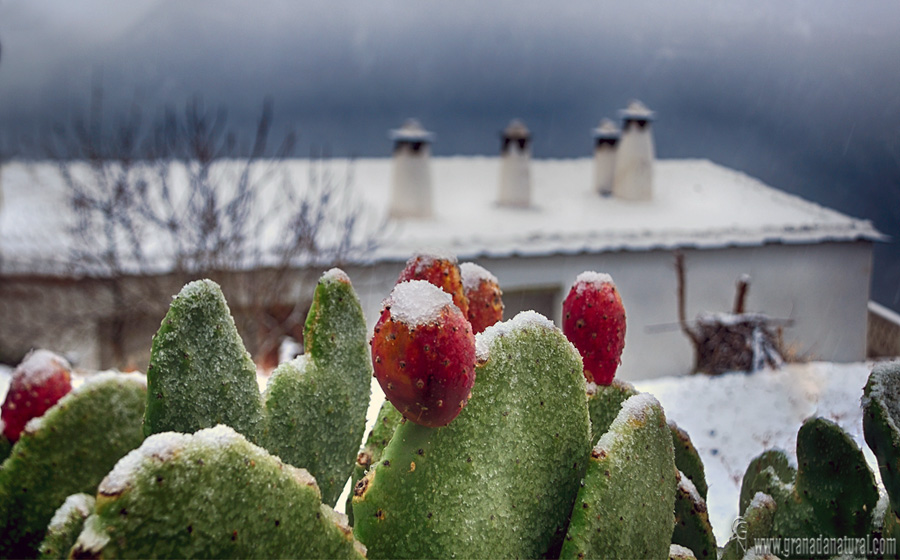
[36, 384]
[423, 352]
[485, 297]
[594, 321]
[440, 270]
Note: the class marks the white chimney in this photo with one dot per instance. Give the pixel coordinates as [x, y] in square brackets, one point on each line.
[515, 166]
[411, 182]
[606, 141]
[633, 176]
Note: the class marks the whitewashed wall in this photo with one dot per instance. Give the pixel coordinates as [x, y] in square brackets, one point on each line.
[823, 289]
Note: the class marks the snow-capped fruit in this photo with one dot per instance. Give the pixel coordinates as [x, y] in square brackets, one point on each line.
[485, 297]
[440, 270]
[36, 384]
[423, 352]
[594, 321]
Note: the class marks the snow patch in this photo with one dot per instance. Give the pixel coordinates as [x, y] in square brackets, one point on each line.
[424, 259]
[417, 302]
[524, 320]
[592, 279]
[39, 366]
[473, 275]
[81, 504]
[110, 375]
[336, 274]
[732, 418]
[161, 447]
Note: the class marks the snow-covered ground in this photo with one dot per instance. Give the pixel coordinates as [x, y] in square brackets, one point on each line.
[733, 417]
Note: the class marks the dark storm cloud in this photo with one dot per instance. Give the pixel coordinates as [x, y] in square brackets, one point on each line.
[803, 94]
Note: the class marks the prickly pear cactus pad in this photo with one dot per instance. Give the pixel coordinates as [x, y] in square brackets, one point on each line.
[66, 525]
[499, 481]
[692, 527]
[771, 473]
[881, 413]
[604, 403]
[755, 523]
[316, 404]
[625, 508]
[832, 475]
[200, 374]
[387, 421]
[211, 495]
[688, 460]
[67, 450]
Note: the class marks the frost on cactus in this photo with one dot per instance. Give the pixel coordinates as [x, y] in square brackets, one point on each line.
[316, 404]
[881, 414]
[66, 451]
[66, 525]
[499, 481]
[200, 374]
[313, 412]
[756, 522]
[692, 527]
[604, 403]
[625, 507]
[833, 493]
[423, 352]
[484, 296]
[213, 495]
[594, 320]
[441, 270]
[36, 384]
[688, 460]
[771, 473]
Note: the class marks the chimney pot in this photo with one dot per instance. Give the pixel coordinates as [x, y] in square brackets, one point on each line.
[411, 189]
[515, 166]
[633, 175]
[606, 141]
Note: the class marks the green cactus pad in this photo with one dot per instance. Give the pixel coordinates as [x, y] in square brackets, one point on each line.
[387, 421]
[5, 448]
[832, 475]
[692, 527]
[756, 523]
[66, 451]
[316, 404]
[66, 525]
[688, 460]
[200, 374]
[500, 480]
[768, 473]
[625, 508]
[604, 403]
[881, 414]
[212, 494]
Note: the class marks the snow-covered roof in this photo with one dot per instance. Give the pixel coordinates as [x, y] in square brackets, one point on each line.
[696, 204]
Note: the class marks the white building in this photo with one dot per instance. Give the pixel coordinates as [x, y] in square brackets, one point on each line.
[808, 264]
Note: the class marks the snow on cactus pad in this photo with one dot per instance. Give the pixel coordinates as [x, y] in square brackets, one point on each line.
[67, 450]
[626, 507]
[212, 494]
[499, 481]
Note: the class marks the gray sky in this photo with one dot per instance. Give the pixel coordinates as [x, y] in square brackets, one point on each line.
[804, 95]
